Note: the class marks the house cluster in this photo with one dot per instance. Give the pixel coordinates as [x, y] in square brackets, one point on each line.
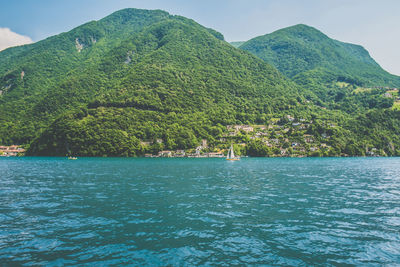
[233, 130]
[197, 153]
[374, 152]
[389, 92]
[148, 143]
[11, 151]
[392, 93]
[286, 137]
[385, 88]
[183, 154]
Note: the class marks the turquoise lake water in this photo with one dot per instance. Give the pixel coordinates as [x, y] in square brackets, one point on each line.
[210, 212]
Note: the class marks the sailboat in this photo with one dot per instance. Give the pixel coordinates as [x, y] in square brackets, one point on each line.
[231, 154]
[71, 157]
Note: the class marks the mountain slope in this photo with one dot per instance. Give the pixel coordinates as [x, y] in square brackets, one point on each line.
[300, 48]
[29, 73]
[140, 66]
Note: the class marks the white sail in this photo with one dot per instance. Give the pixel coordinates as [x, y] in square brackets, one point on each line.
[231, 154]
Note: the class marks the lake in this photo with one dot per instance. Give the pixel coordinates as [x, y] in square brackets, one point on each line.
[185, 212]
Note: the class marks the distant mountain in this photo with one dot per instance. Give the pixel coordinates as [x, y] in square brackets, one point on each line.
[300, 49]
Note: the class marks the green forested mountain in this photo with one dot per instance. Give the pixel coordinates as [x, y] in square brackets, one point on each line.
[336, 75]
[298, 49]
[40, 81]
[133, 69]
[141, 81]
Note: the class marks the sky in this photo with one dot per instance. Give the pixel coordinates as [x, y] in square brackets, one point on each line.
[374, 24]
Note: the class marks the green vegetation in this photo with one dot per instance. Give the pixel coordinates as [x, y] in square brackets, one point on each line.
[171, 66]
[396, 105]
[344, 82]
[298, 49]
[331, 72]
[138, 82]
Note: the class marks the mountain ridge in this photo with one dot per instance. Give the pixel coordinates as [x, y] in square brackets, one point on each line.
[301, 48]
[141, 81]
[172, 64]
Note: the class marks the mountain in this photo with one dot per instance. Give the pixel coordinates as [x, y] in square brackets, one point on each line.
[300, 49]
[42, 80]
[142, 81]
[334, 75]
[135, 75]
[35, 78]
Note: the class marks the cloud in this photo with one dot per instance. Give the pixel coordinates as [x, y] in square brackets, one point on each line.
[9, 38]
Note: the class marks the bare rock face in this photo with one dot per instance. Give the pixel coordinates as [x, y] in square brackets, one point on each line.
[93, 40]
[78, 45]
[128, 57]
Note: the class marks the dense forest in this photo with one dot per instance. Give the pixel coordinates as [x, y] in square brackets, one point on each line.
[299, 49]
[139, 82]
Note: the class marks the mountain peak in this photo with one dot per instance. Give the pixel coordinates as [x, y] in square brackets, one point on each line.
[301, 48]
[301, 26]
[127, 13]
[301, 31]
[132, 17]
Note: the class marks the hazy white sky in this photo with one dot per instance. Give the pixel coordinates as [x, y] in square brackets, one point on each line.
[9, 38]
[373, 24]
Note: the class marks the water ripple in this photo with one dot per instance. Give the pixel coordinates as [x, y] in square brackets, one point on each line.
[185, 212]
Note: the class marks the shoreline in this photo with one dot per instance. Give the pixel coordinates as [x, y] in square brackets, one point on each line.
[156, 157]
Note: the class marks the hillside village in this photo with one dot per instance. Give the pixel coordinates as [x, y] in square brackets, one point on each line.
[287, 136]
[11, 151]
[282, 137]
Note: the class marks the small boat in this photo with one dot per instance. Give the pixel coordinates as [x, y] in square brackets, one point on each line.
[231, 155]
[73, 158]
